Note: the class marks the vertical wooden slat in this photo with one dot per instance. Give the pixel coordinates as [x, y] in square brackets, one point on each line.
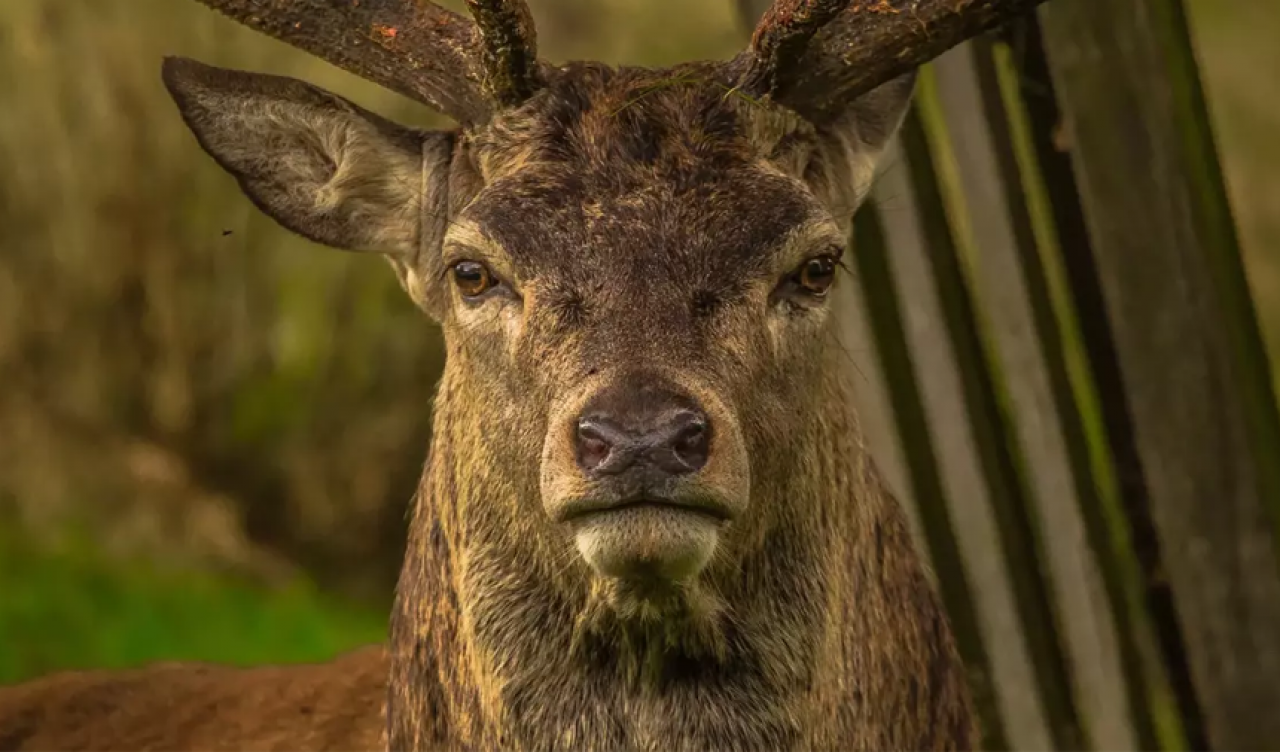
[1121, 530]
[1191, 359]
[1121, 526]
[883, 313]
[1018, 534]
[911, 226]
[1012, 293]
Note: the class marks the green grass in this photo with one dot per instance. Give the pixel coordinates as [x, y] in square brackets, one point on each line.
[74, 608]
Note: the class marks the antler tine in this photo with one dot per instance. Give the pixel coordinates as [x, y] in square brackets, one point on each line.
[816, 56]
[414, 47]
[509, 49]
[780, 41]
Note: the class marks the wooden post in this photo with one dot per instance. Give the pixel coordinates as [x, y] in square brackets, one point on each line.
[1197, 380]
[1012, 295]
[1118, 515]
[974, 421]
[916, 233]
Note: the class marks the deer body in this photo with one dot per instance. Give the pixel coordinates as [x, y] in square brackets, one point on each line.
[335, 706]
[648, 521]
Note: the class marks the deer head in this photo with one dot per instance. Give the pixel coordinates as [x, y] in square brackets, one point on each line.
[632, 267]
[642, 438]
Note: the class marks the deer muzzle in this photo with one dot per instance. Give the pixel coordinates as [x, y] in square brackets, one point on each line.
[646, 473]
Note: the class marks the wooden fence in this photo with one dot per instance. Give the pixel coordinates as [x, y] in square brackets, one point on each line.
[1063, 379]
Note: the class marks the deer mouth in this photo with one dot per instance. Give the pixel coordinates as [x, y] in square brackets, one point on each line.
[646, 537]
[594, 506]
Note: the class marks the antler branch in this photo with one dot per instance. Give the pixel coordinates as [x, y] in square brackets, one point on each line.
[413, 47]
[817, 67]
[781, 39]
[509, 49]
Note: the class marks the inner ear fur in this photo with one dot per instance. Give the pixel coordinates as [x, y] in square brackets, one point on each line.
[850, 146]
[318, 164]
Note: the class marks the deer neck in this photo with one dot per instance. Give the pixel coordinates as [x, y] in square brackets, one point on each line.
[826, 636]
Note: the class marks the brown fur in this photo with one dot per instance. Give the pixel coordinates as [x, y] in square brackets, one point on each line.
[333, 706]
[645, 224]
[622, 202]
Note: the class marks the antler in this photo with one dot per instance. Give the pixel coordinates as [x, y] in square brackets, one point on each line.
[781, 39]
[510, 49]
[816, 56]
[414, 47]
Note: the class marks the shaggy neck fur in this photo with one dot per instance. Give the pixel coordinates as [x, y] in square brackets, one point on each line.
[825, 634]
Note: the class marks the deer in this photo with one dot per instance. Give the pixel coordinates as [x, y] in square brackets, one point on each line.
[648, 519]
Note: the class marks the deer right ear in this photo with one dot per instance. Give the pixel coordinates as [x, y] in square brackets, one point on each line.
[316, 163]
[852, 142]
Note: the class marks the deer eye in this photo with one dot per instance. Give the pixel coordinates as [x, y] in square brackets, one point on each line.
[473, 278]
[817, 274]
[814, 277]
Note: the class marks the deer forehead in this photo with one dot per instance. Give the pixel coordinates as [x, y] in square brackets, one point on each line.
[625, 124]
[555, 222]
[610, 172]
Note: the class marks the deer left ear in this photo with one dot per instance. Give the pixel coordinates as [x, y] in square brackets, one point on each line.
[850, 145]
[313, 161]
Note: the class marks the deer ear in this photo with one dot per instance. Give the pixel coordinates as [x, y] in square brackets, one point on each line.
[851, 144]
[316, 163]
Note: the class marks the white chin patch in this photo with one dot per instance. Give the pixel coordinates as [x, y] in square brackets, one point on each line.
[647, 543]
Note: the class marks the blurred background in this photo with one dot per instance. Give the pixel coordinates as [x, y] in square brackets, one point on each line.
[209, 428]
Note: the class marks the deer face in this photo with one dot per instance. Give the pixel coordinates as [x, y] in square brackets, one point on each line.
[632, 269]
[649, 278]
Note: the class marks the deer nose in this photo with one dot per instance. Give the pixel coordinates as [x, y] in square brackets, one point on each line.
[673, 442]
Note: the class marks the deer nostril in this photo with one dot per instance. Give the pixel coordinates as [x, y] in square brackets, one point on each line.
[592, 444]
[692, 442]
[666, 442]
